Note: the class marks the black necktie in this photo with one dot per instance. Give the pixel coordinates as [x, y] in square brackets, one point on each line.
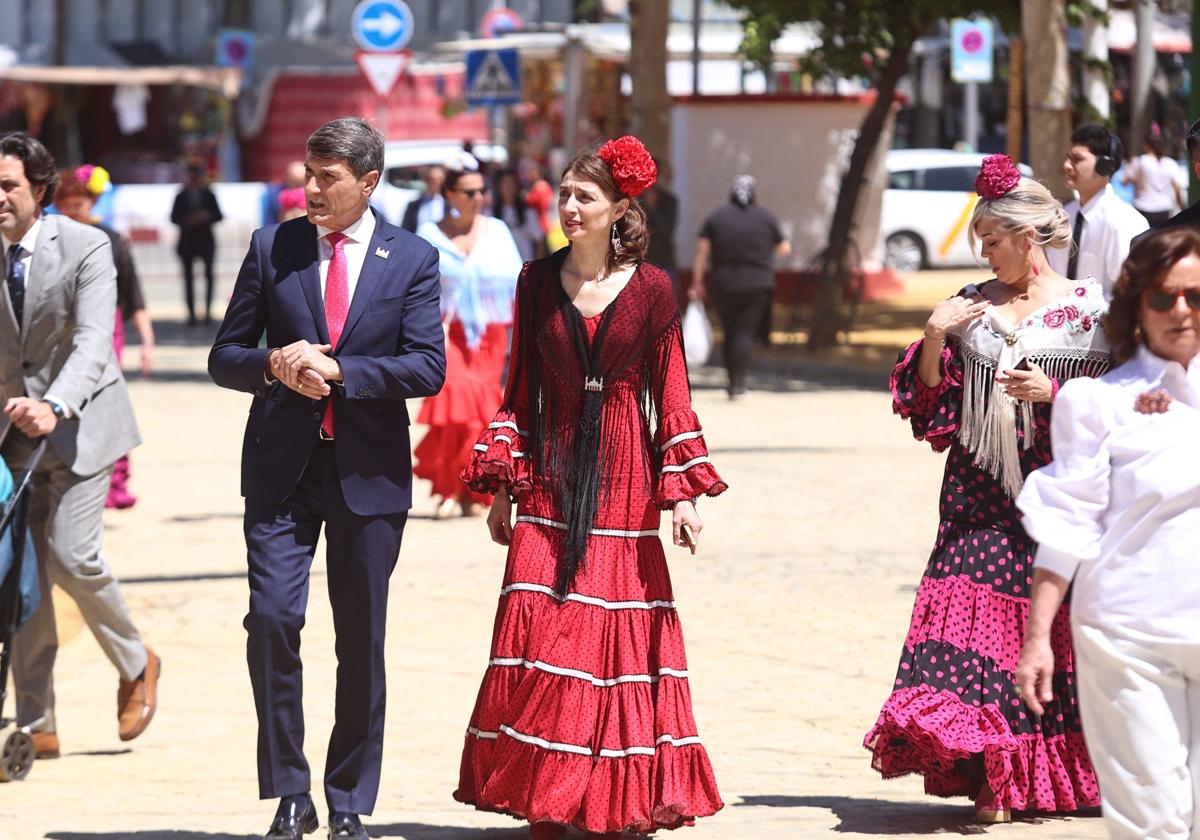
[16, 280]
[1073, 260]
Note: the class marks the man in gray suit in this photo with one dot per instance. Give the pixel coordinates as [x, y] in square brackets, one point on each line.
[59, 380]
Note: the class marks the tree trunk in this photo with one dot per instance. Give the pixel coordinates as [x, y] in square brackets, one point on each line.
[1095, 48]
[829, 316]
[1144, 65]
[1048, 91]
[1016, 89]
[650, 105]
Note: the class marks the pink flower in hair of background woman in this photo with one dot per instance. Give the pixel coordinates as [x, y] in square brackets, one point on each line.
[997, 177]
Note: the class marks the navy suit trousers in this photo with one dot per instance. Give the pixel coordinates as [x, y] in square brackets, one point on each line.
[361, 552]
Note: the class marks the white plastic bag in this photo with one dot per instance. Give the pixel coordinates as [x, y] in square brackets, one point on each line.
[697, 335]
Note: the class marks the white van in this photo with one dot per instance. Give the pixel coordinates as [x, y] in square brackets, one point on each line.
[927, 206]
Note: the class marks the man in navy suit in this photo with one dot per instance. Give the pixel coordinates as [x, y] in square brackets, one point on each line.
[349, 307]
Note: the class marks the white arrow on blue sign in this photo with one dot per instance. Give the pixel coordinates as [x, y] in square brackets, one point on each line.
[382, 24]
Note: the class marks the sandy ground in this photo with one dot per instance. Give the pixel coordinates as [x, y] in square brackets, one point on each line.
[794, 613]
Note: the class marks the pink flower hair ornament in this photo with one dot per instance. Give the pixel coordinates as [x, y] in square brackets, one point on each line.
[631, 165]
[997, 177]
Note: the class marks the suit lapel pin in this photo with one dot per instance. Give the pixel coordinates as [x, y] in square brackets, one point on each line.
[380, 252]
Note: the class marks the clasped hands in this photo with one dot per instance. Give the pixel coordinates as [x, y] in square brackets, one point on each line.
[305, 368]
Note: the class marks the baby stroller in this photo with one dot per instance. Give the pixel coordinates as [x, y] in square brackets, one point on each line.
[19, 598]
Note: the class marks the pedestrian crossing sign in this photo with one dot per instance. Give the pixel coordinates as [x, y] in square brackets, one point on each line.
[493, 77]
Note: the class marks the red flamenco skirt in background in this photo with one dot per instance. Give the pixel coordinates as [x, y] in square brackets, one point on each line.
[584, 716]
[459, 413]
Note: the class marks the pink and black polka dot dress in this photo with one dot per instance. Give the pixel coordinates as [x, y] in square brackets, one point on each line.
[955, 697]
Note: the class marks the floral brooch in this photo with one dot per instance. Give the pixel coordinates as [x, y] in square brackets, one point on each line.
[1153, 402]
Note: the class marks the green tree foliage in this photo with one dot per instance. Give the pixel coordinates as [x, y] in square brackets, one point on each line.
[869, 39]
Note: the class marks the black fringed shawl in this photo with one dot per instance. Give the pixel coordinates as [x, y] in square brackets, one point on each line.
[569, 381]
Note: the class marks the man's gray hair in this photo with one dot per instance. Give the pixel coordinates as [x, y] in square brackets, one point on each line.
[350, 139]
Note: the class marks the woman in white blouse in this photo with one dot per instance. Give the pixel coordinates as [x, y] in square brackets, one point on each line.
[1118, 513]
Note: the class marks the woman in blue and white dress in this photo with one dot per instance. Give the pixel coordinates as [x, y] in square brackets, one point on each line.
[479, 264]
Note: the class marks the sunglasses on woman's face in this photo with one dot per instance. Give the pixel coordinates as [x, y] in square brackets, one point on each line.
[1163, 300]
[473, 193]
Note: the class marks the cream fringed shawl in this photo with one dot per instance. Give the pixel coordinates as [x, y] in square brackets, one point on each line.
[1064, 338]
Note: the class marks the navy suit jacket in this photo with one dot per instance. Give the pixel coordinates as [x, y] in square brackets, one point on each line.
[391, 349]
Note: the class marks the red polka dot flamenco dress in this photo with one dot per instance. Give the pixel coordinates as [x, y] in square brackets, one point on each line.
[584, 717]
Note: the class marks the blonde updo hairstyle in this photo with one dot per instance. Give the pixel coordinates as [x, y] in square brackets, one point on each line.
[1027, 205]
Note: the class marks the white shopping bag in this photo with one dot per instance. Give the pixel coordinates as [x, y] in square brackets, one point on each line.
[697, 335]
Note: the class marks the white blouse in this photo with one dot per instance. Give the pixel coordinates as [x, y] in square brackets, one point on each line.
[1118, 509]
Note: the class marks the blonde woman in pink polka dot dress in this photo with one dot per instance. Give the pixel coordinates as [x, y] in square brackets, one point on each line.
[584, 717]
[980, 385]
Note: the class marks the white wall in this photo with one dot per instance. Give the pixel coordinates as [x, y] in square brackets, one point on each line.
[795, 149]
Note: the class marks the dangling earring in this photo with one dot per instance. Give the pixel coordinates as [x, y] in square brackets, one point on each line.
[1137, 333]
[616, 238]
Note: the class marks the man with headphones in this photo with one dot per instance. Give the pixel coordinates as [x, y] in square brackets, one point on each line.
[1103, 225]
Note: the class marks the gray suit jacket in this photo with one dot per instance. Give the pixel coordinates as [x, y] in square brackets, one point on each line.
[65, 346]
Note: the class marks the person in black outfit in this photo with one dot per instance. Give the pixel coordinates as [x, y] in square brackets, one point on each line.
[662, 217]
[742, 240]
[196, 211]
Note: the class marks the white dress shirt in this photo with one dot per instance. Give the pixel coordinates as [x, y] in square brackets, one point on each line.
[1109, 225]
[358, 240]
[28, 245]
[1118, 509]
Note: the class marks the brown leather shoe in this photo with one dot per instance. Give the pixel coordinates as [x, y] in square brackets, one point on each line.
[45, 744]
[137, 699]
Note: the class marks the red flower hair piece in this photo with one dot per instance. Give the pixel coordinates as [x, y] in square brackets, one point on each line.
[997, 177]
[631, 165]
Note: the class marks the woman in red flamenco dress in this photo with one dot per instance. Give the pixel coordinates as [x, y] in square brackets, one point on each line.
[584, 716]
[479, 263]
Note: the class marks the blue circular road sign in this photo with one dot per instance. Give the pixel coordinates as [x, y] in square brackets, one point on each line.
[382, 24]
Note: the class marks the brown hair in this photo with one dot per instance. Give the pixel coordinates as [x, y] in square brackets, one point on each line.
[1151, 257]
[631, 228]
[69, 186]
[38, 163]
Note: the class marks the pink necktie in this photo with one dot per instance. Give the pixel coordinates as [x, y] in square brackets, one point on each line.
[337, 304]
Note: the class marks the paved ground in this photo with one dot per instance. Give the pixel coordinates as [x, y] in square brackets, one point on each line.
[794, 613]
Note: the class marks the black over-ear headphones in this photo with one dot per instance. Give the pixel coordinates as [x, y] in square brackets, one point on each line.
[1109, 162]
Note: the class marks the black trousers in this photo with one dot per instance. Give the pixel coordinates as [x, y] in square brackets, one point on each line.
[189, 282]
[741, 312]
[1156, 217]
[361, 552]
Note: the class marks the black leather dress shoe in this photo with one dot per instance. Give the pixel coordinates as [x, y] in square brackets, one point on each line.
[295, 817]
[346, 827]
